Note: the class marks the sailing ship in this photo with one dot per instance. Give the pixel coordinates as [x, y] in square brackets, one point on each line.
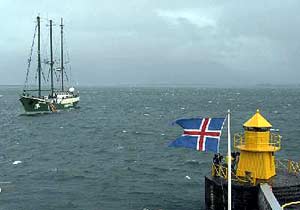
[60, 98]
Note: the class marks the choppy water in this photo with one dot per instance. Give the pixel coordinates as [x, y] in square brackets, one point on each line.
[112, 152]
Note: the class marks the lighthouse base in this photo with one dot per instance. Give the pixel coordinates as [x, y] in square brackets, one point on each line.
[285, 187]
[244, 197]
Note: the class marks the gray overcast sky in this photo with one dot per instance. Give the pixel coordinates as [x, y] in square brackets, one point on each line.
[114, 42]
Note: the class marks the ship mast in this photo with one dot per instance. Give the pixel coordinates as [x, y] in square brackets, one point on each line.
[62, 55]
[39, 56]
[51, 59]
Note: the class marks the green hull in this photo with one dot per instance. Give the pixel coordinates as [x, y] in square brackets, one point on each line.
[37, 105]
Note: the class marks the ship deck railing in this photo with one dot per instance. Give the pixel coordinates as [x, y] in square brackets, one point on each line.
[274, 143]
[289, 166]
[285, 165]
[290, 204]
[219, 170]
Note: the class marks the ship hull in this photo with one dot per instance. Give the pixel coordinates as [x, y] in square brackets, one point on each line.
[37, 105]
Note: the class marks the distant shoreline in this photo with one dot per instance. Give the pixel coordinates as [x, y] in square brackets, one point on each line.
[174, 86]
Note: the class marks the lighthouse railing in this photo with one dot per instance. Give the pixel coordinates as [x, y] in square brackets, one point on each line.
[275, 140]
[273, 144]
[238, 140]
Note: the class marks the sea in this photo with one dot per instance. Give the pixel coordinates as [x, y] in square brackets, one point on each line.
[112, 152]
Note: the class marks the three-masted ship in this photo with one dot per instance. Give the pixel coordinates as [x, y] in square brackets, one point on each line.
[60, 98]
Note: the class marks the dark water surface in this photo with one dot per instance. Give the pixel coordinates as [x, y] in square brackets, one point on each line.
[112, 152]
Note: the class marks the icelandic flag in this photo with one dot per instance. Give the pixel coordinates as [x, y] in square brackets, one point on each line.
[202, 134]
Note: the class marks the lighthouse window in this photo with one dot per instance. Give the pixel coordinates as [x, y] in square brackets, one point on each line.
[256, 129]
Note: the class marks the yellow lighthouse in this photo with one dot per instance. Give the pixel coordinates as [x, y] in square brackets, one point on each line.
[254, 172]
[257, 146]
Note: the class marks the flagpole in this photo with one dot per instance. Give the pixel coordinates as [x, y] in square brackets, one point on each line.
[229, 161]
